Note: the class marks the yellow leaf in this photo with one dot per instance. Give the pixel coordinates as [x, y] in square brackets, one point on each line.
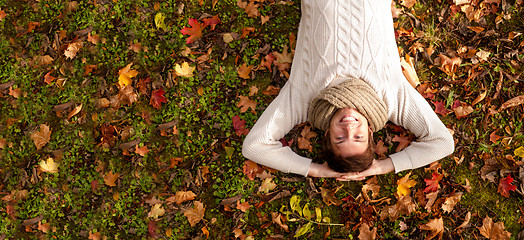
[159, 21]
[519, 152]
[156, 211]
[404, 185]
[267, 185]
[49, 166]
[185, 70]
[125, 75]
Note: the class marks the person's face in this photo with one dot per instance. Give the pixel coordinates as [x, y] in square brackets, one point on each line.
[348, 132]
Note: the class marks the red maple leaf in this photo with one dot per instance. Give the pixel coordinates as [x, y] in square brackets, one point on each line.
[505, 186]
[239, 126]
[440, 108]
[432, 184]
[212, 21]
[157, 98]
[195, 31]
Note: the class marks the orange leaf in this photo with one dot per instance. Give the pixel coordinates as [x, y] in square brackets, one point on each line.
[48, 78]
[42, 137]
[244, 71]
[44, 227]
[251, 169]
[15, 92]
[243, 206]
[110, 178]
[142, 151]
[380, 148]
[493, 137]
[94, 39]
[271, 90]
[2, 15]
[403, 141]
[245, 103]
[195, 214]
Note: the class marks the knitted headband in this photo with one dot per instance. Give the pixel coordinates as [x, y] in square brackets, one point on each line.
[352, 93]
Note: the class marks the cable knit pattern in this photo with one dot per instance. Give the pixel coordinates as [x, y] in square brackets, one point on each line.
[337, 39]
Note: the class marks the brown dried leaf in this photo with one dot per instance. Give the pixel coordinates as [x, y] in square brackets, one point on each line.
[72, 49]
[493, 231]
[408, 69]
[366, 233]
[244, 71]
[431, 199]
[466, 221]
[436, 226]
[277, 218]
[451, 201]
[110, 178]
[408, 3]
[182, 196]
[328, 196]
[512, 103]
[42, 137]
[195, 214]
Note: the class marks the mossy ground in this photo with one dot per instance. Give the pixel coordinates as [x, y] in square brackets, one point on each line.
[76, 203]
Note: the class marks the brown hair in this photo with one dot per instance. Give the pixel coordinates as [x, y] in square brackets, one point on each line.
[355, 163]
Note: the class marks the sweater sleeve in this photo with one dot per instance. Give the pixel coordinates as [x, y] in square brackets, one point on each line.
[433, 142]
[262, 144]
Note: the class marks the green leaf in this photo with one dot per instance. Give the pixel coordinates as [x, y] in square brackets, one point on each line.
[294, 202]
[519, 152]
[326, 220]
[319, 214]
[229, 151]
[306, 212]
[159, 21]
[303, 230]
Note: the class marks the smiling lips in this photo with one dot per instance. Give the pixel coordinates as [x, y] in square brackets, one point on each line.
[349, 119]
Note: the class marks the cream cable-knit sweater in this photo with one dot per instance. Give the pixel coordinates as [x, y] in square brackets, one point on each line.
[346, 38]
